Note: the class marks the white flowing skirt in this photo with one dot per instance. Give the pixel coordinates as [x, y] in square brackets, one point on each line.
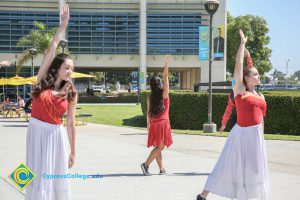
[47, 153]
[241, 171]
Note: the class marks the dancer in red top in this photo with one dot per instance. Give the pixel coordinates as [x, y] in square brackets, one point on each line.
[158, 123]
[49, 149]
[241, 171]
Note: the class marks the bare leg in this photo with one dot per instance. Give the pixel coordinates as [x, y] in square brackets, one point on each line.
[154, 153]
[159, 161]
[204, 194]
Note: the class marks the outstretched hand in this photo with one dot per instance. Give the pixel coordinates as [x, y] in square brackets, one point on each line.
[65, 16]
[71, 161]
[222, 128]
[243, 37]
[168, 59]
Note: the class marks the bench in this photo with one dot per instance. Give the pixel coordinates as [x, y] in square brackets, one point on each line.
[80, 119]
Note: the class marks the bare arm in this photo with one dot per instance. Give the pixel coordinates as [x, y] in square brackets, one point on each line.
[71, 130]
[238, 70]
[54, 43]
[166, 78]
[148, 109]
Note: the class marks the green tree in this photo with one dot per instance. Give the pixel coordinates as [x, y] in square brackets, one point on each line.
[173, 77]
[256, 29]
[297, 74]
[99, 76]
[266, 80]
[38, 38]
[114, 77]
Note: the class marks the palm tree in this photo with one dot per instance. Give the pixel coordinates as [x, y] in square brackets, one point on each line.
[38, 38]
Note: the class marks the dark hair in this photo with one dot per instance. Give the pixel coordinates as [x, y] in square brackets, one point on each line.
[67, 89]
[156, 98]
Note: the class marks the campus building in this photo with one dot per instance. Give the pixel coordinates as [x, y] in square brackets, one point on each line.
[120, 35]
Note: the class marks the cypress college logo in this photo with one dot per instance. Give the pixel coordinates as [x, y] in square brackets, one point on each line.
[22, 176]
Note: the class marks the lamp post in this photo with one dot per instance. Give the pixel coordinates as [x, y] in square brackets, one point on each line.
[286, 75]
[32, 52]
[63, 44]
[211, 6]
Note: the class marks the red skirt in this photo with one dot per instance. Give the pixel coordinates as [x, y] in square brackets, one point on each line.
[159, 132]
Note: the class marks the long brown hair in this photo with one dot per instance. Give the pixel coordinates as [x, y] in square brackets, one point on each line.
[66, 90]
[156, 97]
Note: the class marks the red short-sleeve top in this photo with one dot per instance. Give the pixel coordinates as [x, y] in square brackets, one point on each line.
[49, 108]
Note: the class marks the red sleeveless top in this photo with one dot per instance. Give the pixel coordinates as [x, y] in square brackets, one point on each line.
[250, 109]
[160, 128]
[164, 115]
[49, 108]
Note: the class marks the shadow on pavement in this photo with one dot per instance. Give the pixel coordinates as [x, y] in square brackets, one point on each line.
[190, 174]
[13, 121]
[15, 125]
[134, 134]
[137, 121]
[121, 175]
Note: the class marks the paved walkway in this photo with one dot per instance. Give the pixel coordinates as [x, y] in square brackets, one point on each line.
[117, 152]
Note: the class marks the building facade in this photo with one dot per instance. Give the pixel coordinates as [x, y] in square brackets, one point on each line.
[120, 35]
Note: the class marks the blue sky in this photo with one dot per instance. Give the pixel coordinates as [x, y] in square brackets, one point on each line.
[283, 18]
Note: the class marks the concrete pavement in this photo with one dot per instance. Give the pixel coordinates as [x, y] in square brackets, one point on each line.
[117, 152]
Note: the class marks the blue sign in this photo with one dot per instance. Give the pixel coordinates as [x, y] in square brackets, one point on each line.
[203, 42]
[134, 77]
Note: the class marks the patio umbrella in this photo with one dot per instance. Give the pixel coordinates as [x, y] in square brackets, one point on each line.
[3, 81]
[81, 75]
[17, 80]
[33, 79]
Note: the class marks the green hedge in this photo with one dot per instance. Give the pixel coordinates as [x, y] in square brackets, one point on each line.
[188, 110]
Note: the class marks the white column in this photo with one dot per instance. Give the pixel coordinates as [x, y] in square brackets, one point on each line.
[143, 40]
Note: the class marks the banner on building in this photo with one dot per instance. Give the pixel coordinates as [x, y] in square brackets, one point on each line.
[218, 42]
[203, 42]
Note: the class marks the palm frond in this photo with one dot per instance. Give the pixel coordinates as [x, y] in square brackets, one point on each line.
[24, 58]
[39, 25]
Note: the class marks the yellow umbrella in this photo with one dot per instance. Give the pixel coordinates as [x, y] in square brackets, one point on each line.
[17, 80]
[3, 81]
[81, 75]
[33, 79]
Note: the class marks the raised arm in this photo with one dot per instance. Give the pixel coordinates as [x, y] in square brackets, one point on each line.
[238, 70]
[167, 60]
[65, 16]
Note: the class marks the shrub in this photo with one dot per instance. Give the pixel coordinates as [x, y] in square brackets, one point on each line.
[188, 110]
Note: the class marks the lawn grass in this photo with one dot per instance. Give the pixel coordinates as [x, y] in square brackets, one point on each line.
[116, 115]
[131, 115]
